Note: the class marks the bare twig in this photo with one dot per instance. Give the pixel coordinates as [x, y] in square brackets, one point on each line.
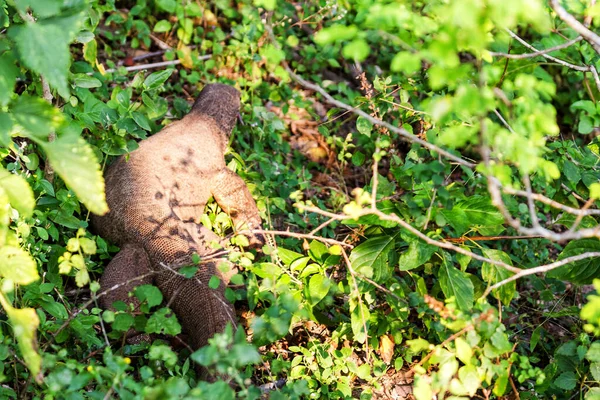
[152, 65]
[414, 231]
[541, 269]
[538, 52]
[549, 57]
[592, 38]
[297, 235]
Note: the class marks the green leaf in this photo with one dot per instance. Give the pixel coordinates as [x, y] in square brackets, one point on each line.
[581, 272]
[86, 81]
[586, 125]
[163, 353]
[406, 62]
[335, 33]
[162, 26]
[571, 172]
[370, 258]
[149, 294]
[357, 50]
[418, 253]
[318, 287]
[167, 5]
[364, 126]
[163, 321]
[455, 283]
[18, 265]
[359, 319]
[74, 160]
[156, 79]
[475, 212]
[25, 322]
[18, 191]
[494, 273]
[122, 322]
[585, 105]
[33, 41]
[566, 381]
[8, 77]
[37, 116]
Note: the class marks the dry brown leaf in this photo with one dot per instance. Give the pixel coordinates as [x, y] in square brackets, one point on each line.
[386, 348]
[184, 53]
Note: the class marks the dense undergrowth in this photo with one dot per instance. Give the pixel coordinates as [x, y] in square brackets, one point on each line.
[386, 238]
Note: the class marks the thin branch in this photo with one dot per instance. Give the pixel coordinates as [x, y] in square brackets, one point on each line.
[532, 213]
[297, 235]
[577, 26]
[413, 230]
[538, 52]
[541, 269]
[549, 57]
[152, 65]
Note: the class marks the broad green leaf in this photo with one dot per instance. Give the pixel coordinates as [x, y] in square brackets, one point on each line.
[8, 77]
[18, 191]
[581, 272]
[74, 160]
[37, 116]
[463, 351]
[18, 265]
[156, 79]
[33, 41]
[455, 283]
[475, 213]
[318, 287]
[5, 212]
[24, 323]
[359, 320]
[370, 258]
[571, 172]
[470, 379]
[566, 381]
[6, 125]
[586, 105]
[417, 254]
[494, 273]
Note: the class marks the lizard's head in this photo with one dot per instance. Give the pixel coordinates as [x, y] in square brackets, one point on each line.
[221, 103]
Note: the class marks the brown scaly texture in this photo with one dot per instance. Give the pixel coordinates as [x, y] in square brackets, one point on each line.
[156, 198]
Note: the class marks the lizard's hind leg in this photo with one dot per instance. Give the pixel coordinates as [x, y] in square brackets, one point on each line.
[127, 270]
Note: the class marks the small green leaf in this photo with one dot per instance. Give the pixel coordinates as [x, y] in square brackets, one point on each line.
[318, 287]
[162, 26]
[18, 265]
[156, 79]
[359, 320]
[364, 126]
[149, 294]
[357, 50]
[167, 5]
[85, 81]
[214, 282]
[163, 321]
[335, 33]
[18, 191]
